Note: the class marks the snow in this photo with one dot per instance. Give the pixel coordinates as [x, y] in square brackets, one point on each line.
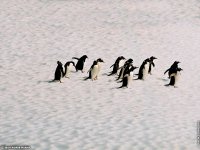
[95, 115]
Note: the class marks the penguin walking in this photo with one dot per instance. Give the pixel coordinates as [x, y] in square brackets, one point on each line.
[93, 72]
[174, 77]
[143, 70]
[128, 77]
[99, 63]
[121, 64]
[59, 73]
[80, 63]
[125, 68]
[116, 65]
[172, 69]
[95, 69]
[151, 63]
[68, 66]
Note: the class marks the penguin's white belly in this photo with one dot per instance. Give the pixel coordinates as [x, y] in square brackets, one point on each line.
[176, 77]
[68, 71]
[94, 72]
[129, 80]
[99, 67]
[145, 70]
[131, 74]
[121, 63]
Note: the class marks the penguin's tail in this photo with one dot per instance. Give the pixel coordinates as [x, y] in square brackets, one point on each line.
[86, 78]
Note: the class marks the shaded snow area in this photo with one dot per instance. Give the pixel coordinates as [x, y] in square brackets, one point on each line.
[96, 115]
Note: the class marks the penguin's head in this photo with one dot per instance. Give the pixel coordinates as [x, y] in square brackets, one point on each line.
[122, 58]
[100, 60]
[129, 60]
[59, 63]
[176, 62]
[84, 56]
[152, 58]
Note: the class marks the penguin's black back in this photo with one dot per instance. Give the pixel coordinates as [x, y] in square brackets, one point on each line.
[80, 63]
[140, 74]
[59, 71]
[173, 68]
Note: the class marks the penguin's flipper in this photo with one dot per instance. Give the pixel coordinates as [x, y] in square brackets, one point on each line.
[111, 66]
[166, 71]
[75, 58]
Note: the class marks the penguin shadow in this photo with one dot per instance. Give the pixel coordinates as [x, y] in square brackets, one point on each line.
[163, 79]
[49, 81]
[86, 78]
[166, 80]
[106, 74]
[168, 85]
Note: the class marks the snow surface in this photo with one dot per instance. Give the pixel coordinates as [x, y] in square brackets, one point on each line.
[95, 115]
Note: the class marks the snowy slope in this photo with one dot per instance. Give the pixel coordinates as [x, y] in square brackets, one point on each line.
[86, 115]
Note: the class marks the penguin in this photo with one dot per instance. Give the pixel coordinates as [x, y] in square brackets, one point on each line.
[59, 73]
[127, 77]
[93, 72]
[116, 65]
[121, 64]
[125, 68]
[151, 63]
[99, 63]
[80, 63]
[68, 67]
[172, 69]
[143, 70]
[174, 77]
